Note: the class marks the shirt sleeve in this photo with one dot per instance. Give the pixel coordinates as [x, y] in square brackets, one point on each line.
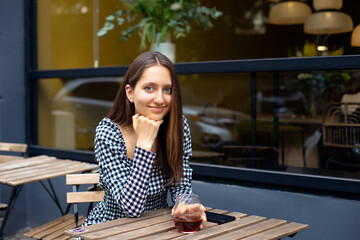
[184, 187]
[125, 180]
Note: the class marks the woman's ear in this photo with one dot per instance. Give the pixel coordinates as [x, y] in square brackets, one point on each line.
[129, 93]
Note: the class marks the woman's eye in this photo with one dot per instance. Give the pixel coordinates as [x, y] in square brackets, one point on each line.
[148, 88]
[167, 90]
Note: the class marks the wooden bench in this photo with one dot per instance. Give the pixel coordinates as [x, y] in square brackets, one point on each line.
[55, 229]
[12, 148]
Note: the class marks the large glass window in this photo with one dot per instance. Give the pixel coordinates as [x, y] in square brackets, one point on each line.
[289, 121]
[220, 121]
[67, 35]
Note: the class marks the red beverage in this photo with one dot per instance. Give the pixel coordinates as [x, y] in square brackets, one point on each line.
[187, 225]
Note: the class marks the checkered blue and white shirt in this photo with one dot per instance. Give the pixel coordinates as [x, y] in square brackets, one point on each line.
[135, 186]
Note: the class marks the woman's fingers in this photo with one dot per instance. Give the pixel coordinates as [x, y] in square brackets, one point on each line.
[146, 131]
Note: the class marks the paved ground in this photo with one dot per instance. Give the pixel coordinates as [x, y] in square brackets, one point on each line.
[19, 235]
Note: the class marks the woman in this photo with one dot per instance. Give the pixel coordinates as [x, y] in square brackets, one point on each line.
[143, 146]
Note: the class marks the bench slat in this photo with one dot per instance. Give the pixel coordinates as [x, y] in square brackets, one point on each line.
[3, 206]
[48, 225]
[69, 223]
[13, 147]
[83, 197]
[60, 230]
[77, 179]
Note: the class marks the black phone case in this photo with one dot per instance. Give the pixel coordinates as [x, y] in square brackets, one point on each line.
[219, 218]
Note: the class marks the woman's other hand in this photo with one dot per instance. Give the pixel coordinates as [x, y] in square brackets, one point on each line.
[146, 131]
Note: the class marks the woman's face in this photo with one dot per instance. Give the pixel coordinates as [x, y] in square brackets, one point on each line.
[152, 93]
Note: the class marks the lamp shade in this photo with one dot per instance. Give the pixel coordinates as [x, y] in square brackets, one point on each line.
[355, 37]
[288, 13]
[328, 22]
[327, 4]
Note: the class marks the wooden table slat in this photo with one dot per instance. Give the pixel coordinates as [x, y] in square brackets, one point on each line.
[159, 225]
[223, 228]
[128, 227]
[146, 231]
[162, 236]
[71, 168]
[251, 230]
[27, 162]
[30, 171]
[220, 211]
[279, 232]
[237, 215]
[121, 221]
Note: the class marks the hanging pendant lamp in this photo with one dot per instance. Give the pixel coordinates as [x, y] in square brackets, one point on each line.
[328, 22]
[355, 37]
[327, 4]
[288, 13]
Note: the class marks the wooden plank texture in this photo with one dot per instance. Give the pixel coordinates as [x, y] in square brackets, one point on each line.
[223, 228]
[13, 147]
[279, 232]
[146, 231]
[70, 167]
[121, 221]
[27, 162]
[59, 231]
[77, 179]
[251, 230]
[159, 225]
[83, 197]
[140, 223]
[68, 223]
[8, 158]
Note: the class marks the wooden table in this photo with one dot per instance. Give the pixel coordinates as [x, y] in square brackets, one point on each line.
[19, 172]
[160, 226]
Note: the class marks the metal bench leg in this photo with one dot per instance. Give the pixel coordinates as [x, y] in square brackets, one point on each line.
[14, 193]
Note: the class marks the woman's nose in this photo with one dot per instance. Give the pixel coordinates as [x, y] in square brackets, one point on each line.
[159, 97]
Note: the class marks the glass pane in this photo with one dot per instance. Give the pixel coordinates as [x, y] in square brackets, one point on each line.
[70, 109]
[218, 108]
[67, 29]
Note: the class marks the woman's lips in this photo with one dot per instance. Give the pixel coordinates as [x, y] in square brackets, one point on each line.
[157, 109]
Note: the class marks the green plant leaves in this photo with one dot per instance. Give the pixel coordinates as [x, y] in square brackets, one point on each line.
[160, 16]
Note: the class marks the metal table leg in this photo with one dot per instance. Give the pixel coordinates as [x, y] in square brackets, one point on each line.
[54, 197]
[14, 194]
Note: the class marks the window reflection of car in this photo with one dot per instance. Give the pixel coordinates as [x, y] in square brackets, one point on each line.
[290, 102]
[90, 99]
[212, 126]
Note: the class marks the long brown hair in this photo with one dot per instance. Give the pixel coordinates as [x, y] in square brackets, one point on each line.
[170, 138]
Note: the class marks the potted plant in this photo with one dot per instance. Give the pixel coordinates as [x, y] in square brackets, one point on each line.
[160, 20]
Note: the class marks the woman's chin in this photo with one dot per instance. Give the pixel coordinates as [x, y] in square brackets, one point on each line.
[155, 117]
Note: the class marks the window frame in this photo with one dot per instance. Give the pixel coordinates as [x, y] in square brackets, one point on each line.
[272, 65]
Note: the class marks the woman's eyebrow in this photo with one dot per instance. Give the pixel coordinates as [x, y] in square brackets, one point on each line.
[153, 83]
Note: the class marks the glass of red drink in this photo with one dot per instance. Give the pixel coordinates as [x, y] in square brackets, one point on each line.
[187, 214]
